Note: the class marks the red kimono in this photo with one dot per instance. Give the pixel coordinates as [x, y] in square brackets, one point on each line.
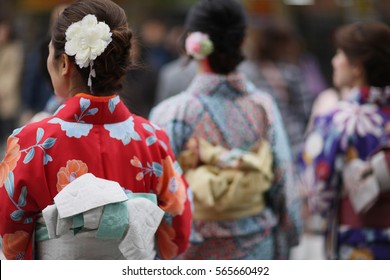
[95, 135]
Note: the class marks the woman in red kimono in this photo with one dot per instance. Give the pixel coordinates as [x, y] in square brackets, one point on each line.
[92, 132]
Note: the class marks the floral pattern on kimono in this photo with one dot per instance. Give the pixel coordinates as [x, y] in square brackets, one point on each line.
[354, 130]
[95, 135]
[228, 111]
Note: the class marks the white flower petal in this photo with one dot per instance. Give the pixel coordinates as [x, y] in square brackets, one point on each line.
[89, 21]
[377, 119]
[87, 39]
[314, 144]
[350, 126]
[82, 58]
[363, 126]
[341, 117]
[71, 47]
[377, 131]
[369, 108]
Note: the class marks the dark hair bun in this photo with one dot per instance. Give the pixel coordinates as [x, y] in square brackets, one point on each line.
[225, 22]
[112, 64]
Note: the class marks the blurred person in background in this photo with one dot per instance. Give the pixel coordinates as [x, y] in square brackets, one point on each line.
[38, 98]
[152, 53]
[269, 67]
[93, 133]
[175, 76]
[154, 32]
[311, 245]
[230, 141]
[343, 165]
[11, 64]
[297, 54]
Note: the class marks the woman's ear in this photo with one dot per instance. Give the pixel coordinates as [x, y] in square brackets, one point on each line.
[65, 65]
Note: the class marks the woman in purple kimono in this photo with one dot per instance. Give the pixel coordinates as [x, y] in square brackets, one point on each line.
[339, 162]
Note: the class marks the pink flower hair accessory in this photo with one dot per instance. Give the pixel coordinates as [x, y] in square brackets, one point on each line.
[199, 45]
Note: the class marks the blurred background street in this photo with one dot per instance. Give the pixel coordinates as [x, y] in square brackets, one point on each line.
[313, 20]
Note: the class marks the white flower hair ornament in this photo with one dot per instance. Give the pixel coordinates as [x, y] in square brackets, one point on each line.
[198, 45]
[86, 40]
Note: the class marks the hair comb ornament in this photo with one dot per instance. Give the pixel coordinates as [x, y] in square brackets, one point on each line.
[86, 40]
[199, 45]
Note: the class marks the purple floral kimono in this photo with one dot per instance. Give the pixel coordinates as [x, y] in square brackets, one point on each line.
[354, 130]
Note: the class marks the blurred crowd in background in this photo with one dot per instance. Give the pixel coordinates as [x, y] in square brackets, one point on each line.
[294, 32]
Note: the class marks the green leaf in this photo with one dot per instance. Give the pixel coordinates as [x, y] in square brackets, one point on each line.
[49, 142]
[92, 111]
[157, 169]
[29, 156]
[22, 197]
[9, 184]
[151, 140]
[148, 128]
[17, 215]
[46, 158]
[40, 133]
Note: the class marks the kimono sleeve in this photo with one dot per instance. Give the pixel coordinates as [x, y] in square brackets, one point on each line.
[284, 195]
[172, 192]
[17, 208]
[170, 115]
[318, 166]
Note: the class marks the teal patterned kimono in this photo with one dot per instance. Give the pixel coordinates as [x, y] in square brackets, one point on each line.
[226, 111]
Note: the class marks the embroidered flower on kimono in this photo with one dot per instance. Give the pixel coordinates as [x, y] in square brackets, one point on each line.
[12, 156]
[317, 195]
[137, 163]
[15, 245]
[171, 189]
[87, 39]
[313, 147]
[153, 168]
[357, 119]
[199, 45]
[123, 131]
[74, 169]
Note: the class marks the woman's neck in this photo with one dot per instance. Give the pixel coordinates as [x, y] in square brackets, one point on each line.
[204, 66]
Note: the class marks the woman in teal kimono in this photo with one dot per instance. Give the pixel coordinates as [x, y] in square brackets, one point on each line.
[221, 107]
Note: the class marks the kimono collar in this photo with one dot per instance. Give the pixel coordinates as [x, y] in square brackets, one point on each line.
[206, 83]
[86, 108]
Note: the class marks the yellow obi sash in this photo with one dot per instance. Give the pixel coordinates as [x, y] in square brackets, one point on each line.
[227, 184]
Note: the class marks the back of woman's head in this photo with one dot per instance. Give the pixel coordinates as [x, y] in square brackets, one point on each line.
[110, 66]
[367, 44]
[225, 23]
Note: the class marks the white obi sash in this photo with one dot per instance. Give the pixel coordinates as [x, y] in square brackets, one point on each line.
[93, 218]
